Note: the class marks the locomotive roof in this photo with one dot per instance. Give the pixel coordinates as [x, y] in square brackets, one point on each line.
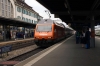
[46, 21]
[49, 21]
[59, 24]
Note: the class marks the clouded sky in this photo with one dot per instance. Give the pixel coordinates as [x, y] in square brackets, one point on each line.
[38, 8]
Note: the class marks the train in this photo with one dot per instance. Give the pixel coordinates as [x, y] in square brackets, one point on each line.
[97, 32]
[48, 31]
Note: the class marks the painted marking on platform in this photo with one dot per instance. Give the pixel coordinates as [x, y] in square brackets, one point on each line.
[44, 54]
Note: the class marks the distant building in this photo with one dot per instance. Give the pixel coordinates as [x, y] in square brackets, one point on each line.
[25, 12]
[6, 8]
[18, 9]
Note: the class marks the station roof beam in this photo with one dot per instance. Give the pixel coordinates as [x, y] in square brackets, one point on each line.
[74, 11]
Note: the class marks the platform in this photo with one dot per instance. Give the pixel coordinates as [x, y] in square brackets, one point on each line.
[67, 53]
[17, 52]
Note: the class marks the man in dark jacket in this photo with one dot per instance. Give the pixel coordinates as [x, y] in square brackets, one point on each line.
[87, 37]
[77, 37]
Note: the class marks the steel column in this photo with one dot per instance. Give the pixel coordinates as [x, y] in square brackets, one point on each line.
[92, 44]
[4, 32]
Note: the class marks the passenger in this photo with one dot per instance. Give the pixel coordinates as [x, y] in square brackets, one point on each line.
[32, 33]
[22, 35]
[16, 35]
[83, 38]
[87, 38]
[77, 37]
[8, 35]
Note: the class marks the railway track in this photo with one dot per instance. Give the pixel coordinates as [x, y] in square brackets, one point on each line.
[27, 55]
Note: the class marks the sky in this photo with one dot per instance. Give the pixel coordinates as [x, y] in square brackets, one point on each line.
[41, 10]
[38, 8]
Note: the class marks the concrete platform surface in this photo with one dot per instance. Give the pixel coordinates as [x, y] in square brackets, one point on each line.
[67, 53]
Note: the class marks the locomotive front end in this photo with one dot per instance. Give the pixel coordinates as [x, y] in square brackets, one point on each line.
[43, 34]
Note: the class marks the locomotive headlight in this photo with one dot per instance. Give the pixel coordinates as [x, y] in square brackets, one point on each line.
[49, 37]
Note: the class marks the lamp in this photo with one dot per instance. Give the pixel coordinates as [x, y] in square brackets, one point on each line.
[65, 5]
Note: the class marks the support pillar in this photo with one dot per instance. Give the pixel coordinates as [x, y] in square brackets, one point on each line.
[29, 32]
[92, 43]
[4, 32]
[24, 32]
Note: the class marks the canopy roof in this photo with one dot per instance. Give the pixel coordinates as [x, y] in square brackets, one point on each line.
[76, 12]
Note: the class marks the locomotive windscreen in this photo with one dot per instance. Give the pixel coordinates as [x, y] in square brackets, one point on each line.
[41, 28]
[46, 21]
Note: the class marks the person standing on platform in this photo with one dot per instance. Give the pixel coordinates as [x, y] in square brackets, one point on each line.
[83, 38]
[87, 38]
[77, 37]
[16, 35]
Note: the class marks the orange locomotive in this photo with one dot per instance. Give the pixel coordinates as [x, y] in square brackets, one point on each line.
[47, 31]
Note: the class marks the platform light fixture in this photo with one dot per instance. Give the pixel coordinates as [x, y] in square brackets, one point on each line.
[65, 5]
[68, 12]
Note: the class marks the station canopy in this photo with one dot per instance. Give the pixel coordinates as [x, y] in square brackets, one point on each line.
[78, 13]
[15, 22]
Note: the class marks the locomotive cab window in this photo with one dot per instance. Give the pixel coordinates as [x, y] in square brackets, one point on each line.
[41, 28]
